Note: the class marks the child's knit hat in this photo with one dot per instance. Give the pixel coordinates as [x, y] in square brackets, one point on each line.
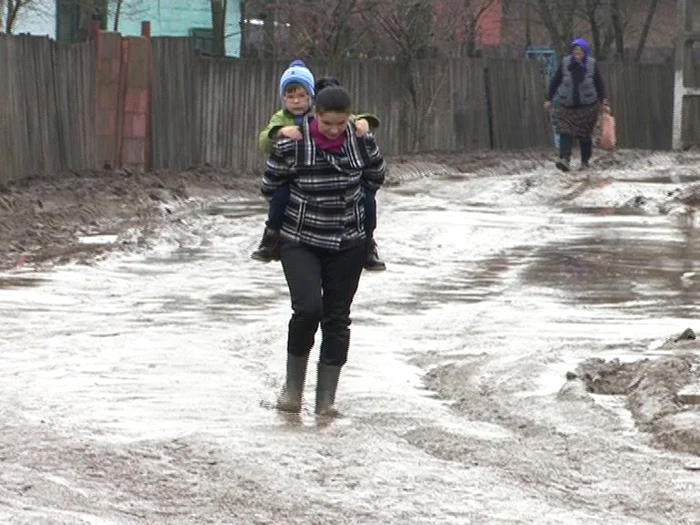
[297, 73]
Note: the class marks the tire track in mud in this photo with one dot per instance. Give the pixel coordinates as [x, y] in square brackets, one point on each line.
[591, 181]
[570, 451]
[573, 453]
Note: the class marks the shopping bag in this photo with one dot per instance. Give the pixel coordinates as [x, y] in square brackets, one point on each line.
[606, 137]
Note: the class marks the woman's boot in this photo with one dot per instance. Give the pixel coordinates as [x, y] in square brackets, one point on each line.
[326, 386]
[293, 390]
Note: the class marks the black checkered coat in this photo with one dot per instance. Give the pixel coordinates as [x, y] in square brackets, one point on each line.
[326, 208]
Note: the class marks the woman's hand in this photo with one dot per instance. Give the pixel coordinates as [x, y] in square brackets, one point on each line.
[290, 132]
[548, 105]
[362, 127]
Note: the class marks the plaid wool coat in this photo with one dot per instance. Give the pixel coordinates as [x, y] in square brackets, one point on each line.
[326, 205]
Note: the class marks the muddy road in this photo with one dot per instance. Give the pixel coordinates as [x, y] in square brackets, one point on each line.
[133, 388]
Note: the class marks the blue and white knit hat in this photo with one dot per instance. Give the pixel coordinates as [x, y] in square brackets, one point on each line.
[297, 73]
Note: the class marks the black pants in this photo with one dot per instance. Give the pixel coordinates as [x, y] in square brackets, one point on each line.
[278, 203]
[370, 202]
[322, 285]
[566, 146]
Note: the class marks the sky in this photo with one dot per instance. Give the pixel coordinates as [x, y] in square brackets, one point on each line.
[39, 21]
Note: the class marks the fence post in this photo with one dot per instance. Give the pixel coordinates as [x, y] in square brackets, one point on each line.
[685, 36]
[489, 104]
[146, 34]
[122, 88]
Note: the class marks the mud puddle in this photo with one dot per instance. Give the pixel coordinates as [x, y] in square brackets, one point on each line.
[141, 377]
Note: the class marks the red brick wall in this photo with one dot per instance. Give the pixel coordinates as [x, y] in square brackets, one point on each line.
[490, 25]
[123, 97]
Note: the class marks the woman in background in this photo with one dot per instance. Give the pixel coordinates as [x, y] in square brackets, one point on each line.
[578, 86]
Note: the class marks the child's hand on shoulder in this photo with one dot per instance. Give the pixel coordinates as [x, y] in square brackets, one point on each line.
[362, 127]
[290, 132]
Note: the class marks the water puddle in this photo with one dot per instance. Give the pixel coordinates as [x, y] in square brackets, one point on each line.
[648, 270]
[159, 362]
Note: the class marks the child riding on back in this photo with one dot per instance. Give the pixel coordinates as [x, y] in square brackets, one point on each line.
[297, 91]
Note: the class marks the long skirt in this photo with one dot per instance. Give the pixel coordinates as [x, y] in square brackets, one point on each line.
[578, 121]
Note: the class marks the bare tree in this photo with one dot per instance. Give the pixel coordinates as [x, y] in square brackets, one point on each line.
[330, 30]
[558, 17]
[408, 24]
[13, 9]
[117, 5]
[410, 27]
[605, 25]
[459, 25]
[617, 21]
[610, 23]
[645, 29]
[121, 9]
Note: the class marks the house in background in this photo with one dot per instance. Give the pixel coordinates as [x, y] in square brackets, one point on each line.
[183, 18]
[490, 24]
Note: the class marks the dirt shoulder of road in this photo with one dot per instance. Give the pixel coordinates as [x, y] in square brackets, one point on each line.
[42, 219]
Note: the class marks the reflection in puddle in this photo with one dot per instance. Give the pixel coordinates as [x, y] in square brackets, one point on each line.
[180, 255]
[601, 210]
[17, 281]
[675, 178]
[235, 210]
[648, 269]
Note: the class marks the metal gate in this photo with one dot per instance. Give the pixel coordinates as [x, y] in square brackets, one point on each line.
[549, 63]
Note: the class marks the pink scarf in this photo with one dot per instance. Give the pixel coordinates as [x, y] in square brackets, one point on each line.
[323, 142]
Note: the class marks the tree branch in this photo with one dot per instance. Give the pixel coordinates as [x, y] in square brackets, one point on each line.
[645, 30]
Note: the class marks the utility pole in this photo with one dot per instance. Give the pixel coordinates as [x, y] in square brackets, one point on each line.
[218, 12]
[685, 36]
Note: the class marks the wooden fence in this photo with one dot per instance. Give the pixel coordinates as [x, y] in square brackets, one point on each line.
[47, 111]
[642, 101]
[460, 105]
[176, 104]
[211, 110]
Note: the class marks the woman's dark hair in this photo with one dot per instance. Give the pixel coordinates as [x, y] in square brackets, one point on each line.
[333, 98]
[325, 82]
